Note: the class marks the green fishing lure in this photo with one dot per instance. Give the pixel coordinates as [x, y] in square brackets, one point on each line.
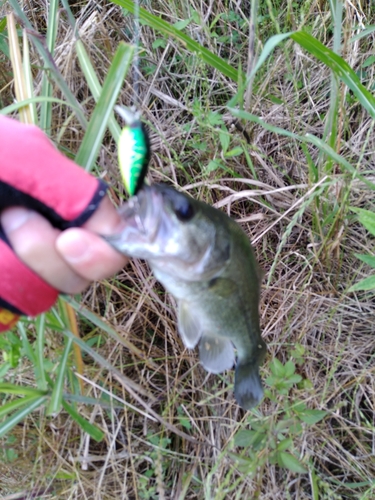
[133, 151]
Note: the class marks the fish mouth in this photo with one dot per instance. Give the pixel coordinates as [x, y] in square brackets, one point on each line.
[140, 217]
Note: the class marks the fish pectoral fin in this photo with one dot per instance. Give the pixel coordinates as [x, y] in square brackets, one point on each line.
[188, 325]
[216, 353]
[222, 287]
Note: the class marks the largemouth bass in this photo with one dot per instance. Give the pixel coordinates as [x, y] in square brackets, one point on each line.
[205, 260]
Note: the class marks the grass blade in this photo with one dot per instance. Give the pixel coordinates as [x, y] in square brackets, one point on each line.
[103, 362]
[94, 85]
[57, 392]
[9, 388]
[330, 152]
[28, 78]
[102, 325]
[92, 141]
[49, 63]
[46, 108]
[340, 67]
[87, 427]
[269, 46]
[19, 77]
[20, 415]
[89, 71]
[363, 33]
[40, 328]
[162, 26]
[16, 404]
[17, 105]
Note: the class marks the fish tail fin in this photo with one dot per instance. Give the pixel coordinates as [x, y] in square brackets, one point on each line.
[248, 389]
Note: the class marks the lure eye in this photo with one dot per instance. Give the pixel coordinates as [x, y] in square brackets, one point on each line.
[184, 210]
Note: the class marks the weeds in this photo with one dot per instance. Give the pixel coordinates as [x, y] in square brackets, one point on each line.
[170, 431]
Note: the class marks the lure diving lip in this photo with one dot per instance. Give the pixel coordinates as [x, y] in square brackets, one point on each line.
[134, 150]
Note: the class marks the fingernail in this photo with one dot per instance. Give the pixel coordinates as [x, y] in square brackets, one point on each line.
[14, 218]
[73, 246]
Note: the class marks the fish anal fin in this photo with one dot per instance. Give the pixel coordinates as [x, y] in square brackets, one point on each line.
[216, 353]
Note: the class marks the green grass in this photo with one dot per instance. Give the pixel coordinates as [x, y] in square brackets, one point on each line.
[143, 420]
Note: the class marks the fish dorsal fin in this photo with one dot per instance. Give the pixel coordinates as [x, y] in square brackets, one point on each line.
[216, 353]
[189, 325]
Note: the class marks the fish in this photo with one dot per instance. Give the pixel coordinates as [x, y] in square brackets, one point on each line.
[206, 262]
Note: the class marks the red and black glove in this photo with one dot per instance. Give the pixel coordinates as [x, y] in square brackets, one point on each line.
[35, 175]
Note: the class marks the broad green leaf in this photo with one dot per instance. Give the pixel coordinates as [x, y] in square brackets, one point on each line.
[368, 259]
[180, 25]
[214, 118]
[244, 438]
[290, 368]
[224, 140]
[340, 67]
[234, 152]
[364, 285]
[12, 421]
[213, 165]
[4, 369]
[194, 47]
[285, 444]
[312, 417]
[366, 218]
[92, 140]
[290, 462]
[277, 368]
[159, 42]
[369, 61]
[294, 379]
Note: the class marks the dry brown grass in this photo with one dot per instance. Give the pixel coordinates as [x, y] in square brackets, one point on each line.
[305, 302]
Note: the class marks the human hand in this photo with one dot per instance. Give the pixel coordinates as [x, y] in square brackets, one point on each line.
[68, 260]
[50, 212]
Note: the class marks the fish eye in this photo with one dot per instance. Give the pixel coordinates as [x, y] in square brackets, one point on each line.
[184, 210]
